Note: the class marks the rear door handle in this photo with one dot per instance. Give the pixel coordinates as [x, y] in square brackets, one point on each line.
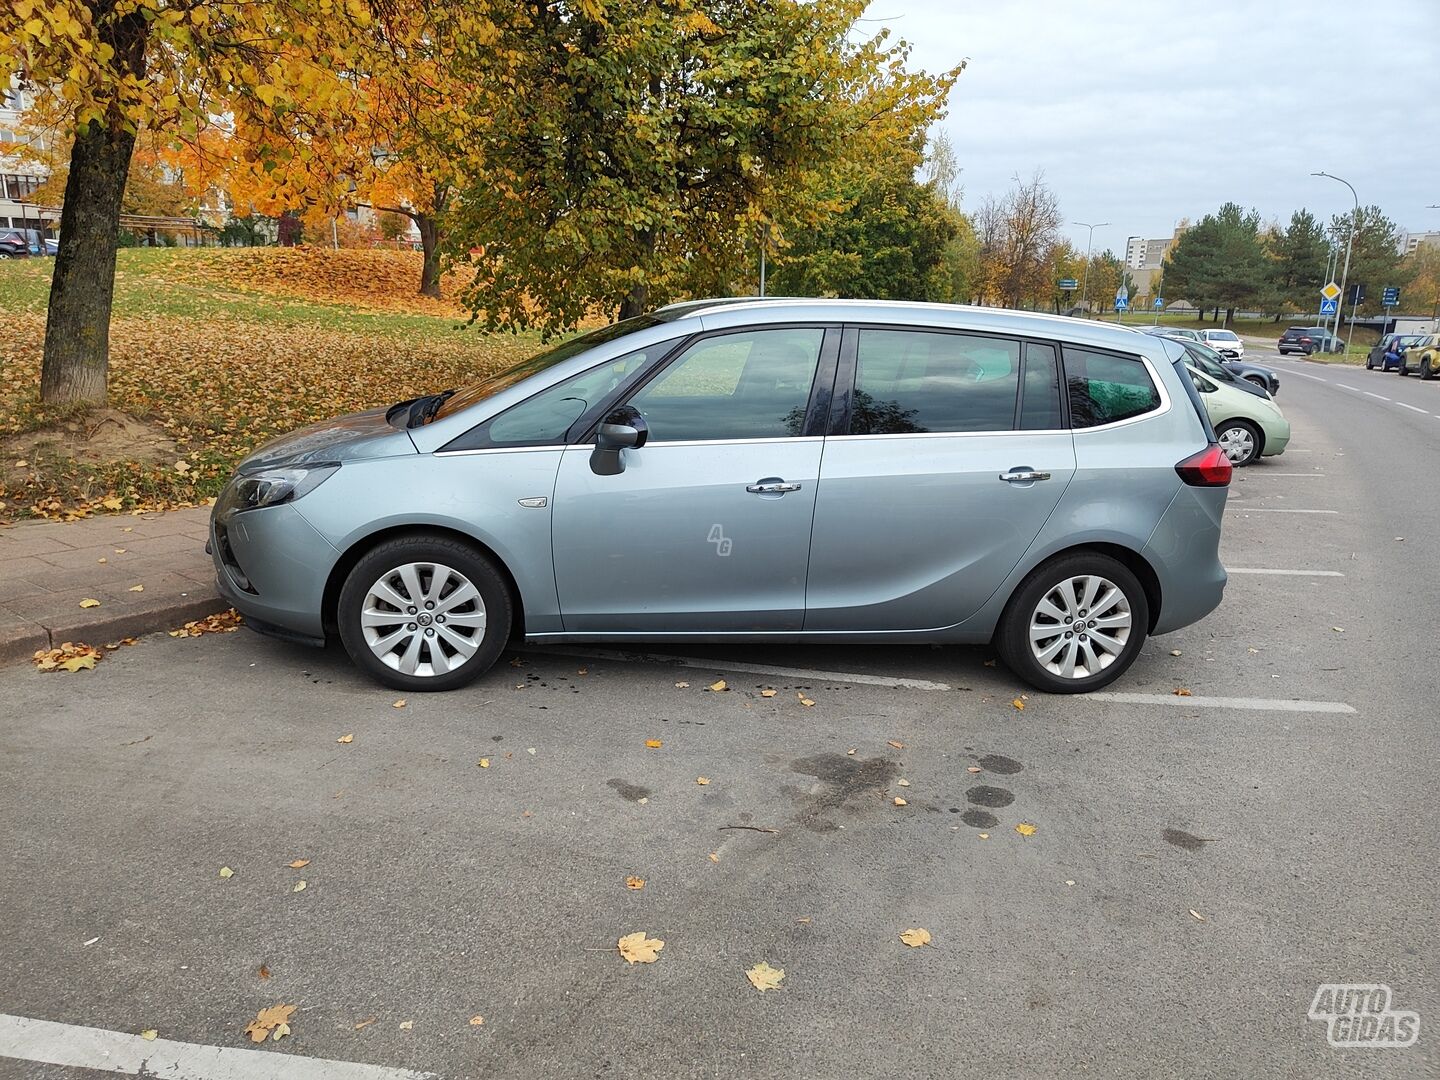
[771, 487]
[1023, 476]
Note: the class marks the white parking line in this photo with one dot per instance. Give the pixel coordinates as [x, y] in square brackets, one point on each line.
[1283, 573]
[1382, 397]
[1412, 408]
[1253, 704]
[119, 1052]
[1267, 472]
[1344, 386]
[734, 665]
[1302, 375]
[1281, 510]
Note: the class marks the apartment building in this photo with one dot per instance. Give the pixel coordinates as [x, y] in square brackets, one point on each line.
[19, 177]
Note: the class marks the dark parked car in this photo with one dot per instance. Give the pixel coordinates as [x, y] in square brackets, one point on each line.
[1376, 356]
[1263, 378]
[13, 245]
[1307, 340]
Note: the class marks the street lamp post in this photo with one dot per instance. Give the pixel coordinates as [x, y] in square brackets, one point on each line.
[1085, 283]
[1350, 239]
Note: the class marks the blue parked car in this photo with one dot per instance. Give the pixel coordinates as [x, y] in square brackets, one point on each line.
[774, 471]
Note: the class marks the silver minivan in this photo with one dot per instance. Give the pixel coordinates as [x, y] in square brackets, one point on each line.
[752, 471]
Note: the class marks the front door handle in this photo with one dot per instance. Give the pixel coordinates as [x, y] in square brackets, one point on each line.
[1023, 476]
[770, 487]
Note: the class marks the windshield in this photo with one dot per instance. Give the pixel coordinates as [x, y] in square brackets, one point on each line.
[1208, 361]
[1222, 335]
[503, 380]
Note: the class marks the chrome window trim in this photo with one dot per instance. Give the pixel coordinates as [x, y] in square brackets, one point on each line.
[787, 440]
[497, 450]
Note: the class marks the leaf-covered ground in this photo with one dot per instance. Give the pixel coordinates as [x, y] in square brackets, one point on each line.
[217, 351]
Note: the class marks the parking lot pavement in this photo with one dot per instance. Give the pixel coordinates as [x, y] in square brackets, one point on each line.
[1199, 865]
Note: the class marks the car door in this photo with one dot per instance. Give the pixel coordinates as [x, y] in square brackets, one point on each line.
[707, 526]
[948, 451]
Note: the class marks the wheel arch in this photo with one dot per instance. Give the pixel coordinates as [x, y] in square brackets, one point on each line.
[1259, 431]
[330, 601]
[1131, 559]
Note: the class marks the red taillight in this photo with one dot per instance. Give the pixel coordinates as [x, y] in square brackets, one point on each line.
[1304, 341]
[1209, 468]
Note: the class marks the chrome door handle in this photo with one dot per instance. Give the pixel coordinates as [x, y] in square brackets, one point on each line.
[1023, 476]
[771, 488]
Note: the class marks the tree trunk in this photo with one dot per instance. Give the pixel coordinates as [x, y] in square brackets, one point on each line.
[430, 245]
[636, 302]
[82, 286]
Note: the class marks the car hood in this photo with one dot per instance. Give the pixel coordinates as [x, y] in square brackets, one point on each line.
[346, 438]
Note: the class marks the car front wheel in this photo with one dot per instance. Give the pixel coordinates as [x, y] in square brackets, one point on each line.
[1427, 367]
[1241, 441]
[1075, 624]
[424, 612]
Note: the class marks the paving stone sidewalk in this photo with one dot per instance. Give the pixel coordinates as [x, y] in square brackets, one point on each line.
[48, 568]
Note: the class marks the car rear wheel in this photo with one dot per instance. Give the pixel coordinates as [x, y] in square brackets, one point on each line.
[422, 613]
[1427, 367]
[1075, 624]
[1241, 441]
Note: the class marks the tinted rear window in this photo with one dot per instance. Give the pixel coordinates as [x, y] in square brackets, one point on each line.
[917, 381]
[1104, 388]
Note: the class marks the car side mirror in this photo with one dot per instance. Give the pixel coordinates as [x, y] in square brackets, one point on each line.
[623, 429]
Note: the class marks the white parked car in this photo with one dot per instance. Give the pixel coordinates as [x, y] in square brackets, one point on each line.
[1225, 342]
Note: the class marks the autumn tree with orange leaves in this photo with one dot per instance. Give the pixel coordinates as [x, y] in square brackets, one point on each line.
[114, 67]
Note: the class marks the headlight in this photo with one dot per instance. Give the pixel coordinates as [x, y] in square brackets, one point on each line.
[274, 486]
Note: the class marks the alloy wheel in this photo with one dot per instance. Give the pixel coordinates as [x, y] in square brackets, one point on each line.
[423, 619]
[1080, 626]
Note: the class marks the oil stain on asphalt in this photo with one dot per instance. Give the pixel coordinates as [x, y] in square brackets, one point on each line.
[842, 778]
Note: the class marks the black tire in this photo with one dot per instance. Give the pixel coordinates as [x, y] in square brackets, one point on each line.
[1427, 368]
[1259, 381]
[1012, 636]
[1257, 441]
[494, 602]
[1369, 363]
[1403, 369]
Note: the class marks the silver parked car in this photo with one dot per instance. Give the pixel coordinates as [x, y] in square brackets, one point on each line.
[752, 471]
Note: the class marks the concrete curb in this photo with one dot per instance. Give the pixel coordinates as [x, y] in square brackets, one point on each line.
[95, 629]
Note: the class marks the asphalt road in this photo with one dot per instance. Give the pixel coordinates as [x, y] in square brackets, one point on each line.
[1197, 869]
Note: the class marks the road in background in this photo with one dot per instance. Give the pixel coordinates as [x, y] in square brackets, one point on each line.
[1200, 863]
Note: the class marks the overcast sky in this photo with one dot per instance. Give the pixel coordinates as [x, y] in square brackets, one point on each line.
[1142, 114]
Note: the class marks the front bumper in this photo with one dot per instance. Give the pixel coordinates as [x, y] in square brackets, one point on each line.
[272, 565]
[1277, 437]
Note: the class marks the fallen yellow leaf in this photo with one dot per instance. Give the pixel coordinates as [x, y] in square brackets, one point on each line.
[915, 937]
[477, 1021]
[149, 1034]
[137, 588]
[973, 768]
[88, 602]
[681, 685]
[1197, 914]
[896, 743]
[103, 559]
[112, 503]
[299, 886]
[346, 739]
[718, 687]
[807, 702]
[226, 872]
[275, 1019]
[768, 693]
[764, 977]
[583, 671]
[182, 467]
[1018, 704]
[264, 971]
[484, 763]
[636, 948]
[984, 836]
[702, 780]
[633, 882]
[900, 802]
[1025, 829]
[714, 856]
[298, 863]
[654, 744]
[903, 782]
[1180, 691]
[406, 1025]
[84, 661]
[398, 704]
[360, 1025]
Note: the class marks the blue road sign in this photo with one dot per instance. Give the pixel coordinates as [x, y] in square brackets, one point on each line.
[1122, 304]
[1069, 284]
[1328, 307]
[1159, 302]
[1392, 297]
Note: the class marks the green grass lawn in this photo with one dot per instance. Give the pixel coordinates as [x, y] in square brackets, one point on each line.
[217, 351]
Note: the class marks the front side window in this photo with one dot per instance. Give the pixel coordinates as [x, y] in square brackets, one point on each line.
[546, 418]
[916, 381]
[754, 384]
[1104, 388]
